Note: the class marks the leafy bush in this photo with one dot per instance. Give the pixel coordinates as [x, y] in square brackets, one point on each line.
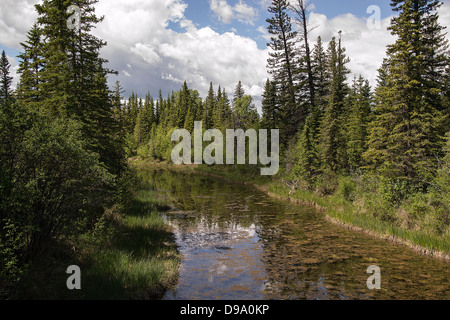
[327, 184]
[347, 188]
[393, 190]
[51, 185]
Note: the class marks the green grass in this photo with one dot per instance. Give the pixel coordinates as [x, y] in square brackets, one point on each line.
[142, 261]
[345, 212]
[135, 257]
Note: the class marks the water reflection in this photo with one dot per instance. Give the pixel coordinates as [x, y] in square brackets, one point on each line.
[238, 243]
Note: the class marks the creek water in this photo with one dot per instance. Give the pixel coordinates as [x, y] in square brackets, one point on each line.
[238, 243]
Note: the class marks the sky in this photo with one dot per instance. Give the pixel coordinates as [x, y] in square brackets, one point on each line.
[159, 44]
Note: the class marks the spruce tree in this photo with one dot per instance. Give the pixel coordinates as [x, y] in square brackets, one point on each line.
[357, 123]
[64, 76]
[239, 91]
[5, 81]
[307, 165]
[407, 132]
[270, 106]
[209, 106]
[321, 74]
[332, 135]
[31, 63]
[306, 78]
[282, 66]
[218, 114]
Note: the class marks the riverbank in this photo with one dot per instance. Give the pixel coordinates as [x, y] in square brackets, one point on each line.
[338, 210]
[131, 255]
[344, 213]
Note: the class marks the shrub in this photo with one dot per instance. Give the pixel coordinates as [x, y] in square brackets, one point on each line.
[346, 188]
[51, 184]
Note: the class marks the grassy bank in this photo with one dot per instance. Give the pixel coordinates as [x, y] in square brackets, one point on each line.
[130, 255]
[350, 210]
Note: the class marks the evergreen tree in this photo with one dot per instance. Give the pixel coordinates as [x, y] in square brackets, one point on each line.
[321, 74]
[270, 106]
[118, 108]
[307, 164]
[358, 120]
[227, 112]
[239, 92]
[209, 106]
[31, 63]
[5, 81]
[70, 76]
[332, 136]
[306, 78]
[219, 111]
[406, 134]
[282, 66]
[245, 113]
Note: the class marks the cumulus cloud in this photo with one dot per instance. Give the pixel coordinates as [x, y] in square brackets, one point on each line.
[16, 18]
[365, 47]
[240, 11]
[151, 56]
[137, 34]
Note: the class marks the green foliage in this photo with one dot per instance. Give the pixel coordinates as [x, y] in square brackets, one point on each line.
[408, 126]
[347, 188]
[283, 66]
[245, 113]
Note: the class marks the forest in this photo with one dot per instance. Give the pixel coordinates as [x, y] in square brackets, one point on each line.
[66, 137]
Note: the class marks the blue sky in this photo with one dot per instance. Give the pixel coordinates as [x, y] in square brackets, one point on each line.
[158, 44]
[200, 12]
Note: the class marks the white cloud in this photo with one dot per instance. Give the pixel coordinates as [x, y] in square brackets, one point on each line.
[16, 18]
[222, 9]
[168, 76]
[365, 47]
[146, 52]
[153, 57]
[264, 33]
[126, 73]
[240, 11]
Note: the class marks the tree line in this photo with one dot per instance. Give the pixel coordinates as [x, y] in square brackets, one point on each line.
[65, 135]
[395, 134]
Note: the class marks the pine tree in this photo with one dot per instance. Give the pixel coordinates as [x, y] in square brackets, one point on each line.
[65, 76]
[209, 106]
[239, 92]
[406, 134]
[321, 74]
[307, 164]
[5, 81]
[190, 119]
[227, 112]
[31, 63]
[218, 115]
[306, 72]
[270, 106]
[332, 136]
[282, 66]
[148, 114]
[245, 113]
[357, 123]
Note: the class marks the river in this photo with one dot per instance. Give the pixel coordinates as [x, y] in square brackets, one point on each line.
[238, 243]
